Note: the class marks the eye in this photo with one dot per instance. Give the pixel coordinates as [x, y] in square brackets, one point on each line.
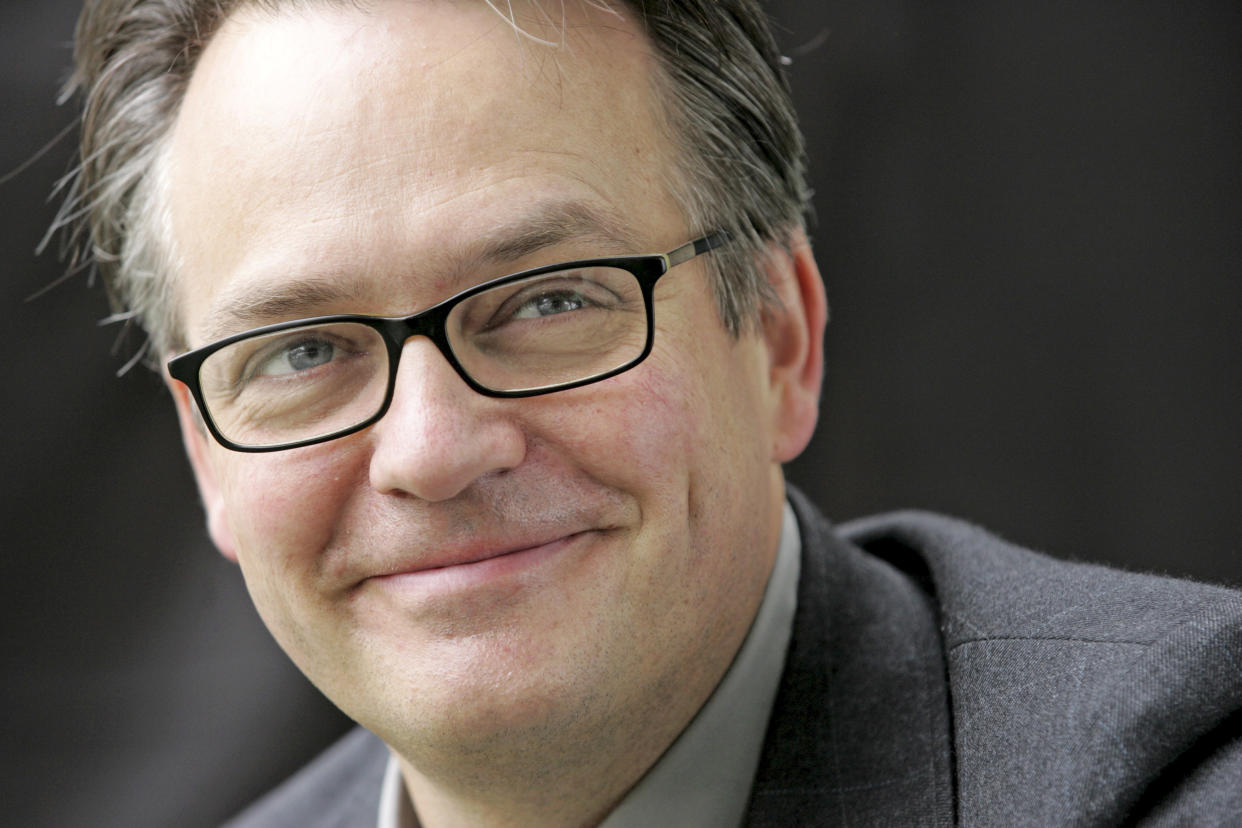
[297, 356]
[550, 303]
[545, 297]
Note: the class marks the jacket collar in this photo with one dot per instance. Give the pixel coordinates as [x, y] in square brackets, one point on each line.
[860, 731]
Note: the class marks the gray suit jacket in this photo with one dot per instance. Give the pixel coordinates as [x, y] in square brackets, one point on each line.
[938, 675]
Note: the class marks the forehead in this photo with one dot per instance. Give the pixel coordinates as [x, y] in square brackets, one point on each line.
[333, 142]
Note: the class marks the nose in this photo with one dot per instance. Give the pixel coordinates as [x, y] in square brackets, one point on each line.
[439, 436]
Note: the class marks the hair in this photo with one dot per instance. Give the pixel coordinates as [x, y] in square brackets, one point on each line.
[722, 89]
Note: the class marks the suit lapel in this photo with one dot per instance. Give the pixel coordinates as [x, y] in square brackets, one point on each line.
[860, 733]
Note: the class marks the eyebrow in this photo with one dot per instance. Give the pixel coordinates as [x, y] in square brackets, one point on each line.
[260, 305]
[549, 224]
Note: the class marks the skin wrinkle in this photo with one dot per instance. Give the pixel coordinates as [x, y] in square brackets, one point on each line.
[214, 330]
[266, 299]
[527, 505]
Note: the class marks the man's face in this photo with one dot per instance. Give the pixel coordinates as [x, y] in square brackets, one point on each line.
[470, 569]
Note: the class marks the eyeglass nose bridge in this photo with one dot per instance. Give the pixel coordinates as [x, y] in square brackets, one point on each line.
[431, 323]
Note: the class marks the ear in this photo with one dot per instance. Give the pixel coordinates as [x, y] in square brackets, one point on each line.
[195, 438]
[794, 333]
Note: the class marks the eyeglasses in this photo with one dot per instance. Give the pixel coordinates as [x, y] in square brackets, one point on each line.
[548, 329]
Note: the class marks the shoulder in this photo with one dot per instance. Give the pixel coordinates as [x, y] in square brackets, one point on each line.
[988, 591]
[341, 787]
[988, 588]
[1076, 689]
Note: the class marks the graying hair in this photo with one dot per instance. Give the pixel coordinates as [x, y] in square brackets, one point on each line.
[724, 96]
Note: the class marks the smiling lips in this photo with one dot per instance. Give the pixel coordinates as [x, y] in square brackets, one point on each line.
[478, 563]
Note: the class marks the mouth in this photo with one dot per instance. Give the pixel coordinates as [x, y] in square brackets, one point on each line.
[481, 564]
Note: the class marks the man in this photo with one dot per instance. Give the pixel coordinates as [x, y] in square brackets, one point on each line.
[489, 331]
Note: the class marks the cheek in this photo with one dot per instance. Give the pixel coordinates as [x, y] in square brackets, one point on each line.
[717, 443]
[284, 507]
[708, 390]
[632, 433]
[678, 435]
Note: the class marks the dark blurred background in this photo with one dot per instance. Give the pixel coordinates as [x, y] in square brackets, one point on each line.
[1029, 217]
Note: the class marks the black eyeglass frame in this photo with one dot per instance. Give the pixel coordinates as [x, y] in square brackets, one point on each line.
[396, 331]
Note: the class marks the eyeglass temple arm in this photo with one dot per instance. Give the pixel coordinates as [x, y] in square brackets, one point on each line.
[695, 248]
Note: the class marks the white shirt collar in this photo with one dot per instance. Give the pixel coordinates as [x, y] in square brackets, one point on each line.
[703, 780]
